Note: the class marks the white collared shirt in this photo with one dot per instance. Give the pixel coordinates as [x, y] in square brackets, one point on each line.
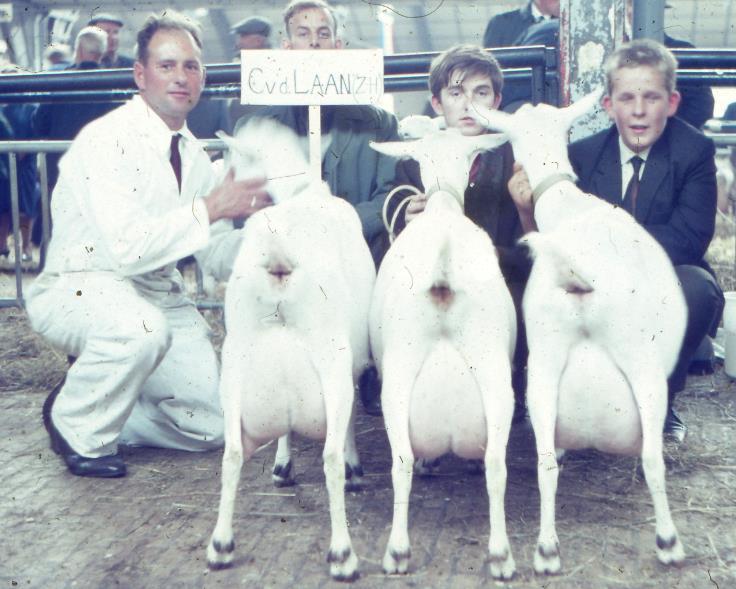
[538, 16]
[117, 207]
[627, 168]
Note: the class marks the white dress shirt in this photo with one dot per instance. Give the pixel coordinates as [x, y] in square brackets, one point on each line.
[117, 207]
[627, 168]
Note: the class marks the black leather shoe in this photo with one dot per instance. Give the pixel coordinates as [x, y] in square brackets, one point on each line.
[369, 387]
[83, 466]
[674, 428]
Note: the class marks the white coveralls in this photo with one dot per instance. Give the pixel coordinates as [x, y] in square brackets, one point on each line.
[110, 293]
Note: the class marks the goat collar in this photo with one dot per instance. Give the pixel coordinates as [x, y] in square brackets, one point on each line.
[548, 183]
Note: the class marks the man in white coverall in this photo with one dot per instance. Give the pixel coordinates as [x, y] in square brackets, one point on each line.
[135, 194]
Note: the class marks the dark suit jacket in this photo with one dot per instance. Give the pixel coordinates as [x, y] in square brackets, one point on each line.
[503, 29]
[487, 203]
[677, 195]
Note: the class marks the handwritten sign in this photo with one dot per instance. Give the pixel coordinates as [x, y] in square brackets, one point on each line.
[311, 77]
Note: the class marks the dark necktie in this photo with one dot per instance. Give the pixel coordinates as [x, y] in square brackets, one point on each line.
[632, 190]
[176, 158]
[474, 169]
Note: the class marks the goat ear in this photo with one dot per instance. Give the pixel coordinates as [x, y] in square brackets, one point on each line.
[229, 141]
[492, 119]
[582, 106]
[489, 141]
[394, 148]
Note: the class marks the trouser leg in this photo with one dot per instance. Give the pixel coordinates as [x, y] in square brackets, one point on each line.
[118, 339]
[704, 300]
[179, 406]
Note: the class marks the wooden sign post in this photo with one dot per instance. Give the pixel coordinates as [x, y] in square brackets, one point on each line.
[313, 78]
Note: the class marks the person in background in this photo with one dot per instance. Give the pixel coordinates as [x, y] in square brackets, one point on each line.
[136, 192]
[111, 24]
[505, 29]
[57, 56]
[250, 33]
[18, 116]
[56, 120]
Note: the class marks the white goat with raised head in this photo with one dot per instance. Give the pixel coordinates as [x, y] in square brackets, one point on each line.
[443, 330]
[605, 318]
[296, 311]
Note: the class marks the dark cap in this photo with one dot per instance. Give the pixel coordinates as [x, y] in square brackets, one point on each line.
[253, 25]
[104, 17]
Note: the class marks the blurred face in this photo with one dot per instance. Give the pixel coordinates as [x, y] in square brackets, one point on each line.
[246, 42]
[113, 33]
[551, 7]
[171, 80]
[640, 105]
[311, 28]
[457, 99]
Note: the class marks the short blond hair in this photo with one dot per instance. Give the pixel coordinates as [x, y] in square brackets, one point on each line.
[642, 52]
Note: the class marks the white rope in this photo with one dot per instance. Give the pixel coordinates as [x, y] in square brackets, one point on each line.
[390, 226]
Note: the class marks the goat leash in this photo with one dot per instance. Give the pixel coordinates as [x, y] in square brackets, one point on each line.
[548, 183]
[390, 226]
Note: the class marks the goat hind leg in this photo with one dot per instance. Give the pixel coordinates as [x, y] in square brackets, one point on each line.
[544, 370]
[396, 395]
[237, 449]
[499, 408]
[650, 391]
[338, 398]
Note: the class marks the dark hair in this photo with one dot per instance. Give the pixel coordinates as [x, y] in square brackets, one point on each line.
[470, 59]
[642, 52]
[298, 5]
[168, 20]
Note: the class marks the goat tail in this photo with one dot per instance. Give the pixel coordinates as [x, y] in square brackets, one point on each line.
[570, 270]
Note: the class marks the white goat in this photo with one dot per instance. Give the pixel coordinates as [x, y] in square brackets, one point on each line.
[443, 330]
[605, 318]
[296, 311]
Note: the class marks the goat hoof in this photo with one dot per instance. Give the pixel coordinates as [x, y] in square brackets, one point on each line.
[547, 560]
[670, 551]
[281, 475]
[396, 562]
[219, 554]
[343, 565]
[354, 478]
[502, 566]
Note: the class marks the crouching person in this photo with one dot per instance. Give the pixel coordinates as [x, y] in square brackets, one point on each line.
[135, 194]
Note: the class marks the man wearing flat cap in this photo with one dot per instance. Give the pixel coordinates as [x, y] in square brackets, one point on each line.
[111, 24]
[252, 33]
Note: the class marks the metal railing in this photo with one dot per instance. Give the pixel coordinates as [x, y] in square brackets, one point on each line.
[533, 65]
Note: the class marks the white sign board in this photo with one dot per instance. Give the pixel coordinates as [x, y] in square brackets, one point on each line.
[311, 77]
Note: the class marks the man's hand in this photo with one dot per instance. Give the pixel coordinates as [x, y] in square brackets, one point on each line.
[235, 199]
[416, 205]
[521, 194]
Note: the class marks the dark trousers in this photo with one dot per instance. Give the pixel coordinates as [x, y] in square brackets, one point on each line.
[705, 302]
